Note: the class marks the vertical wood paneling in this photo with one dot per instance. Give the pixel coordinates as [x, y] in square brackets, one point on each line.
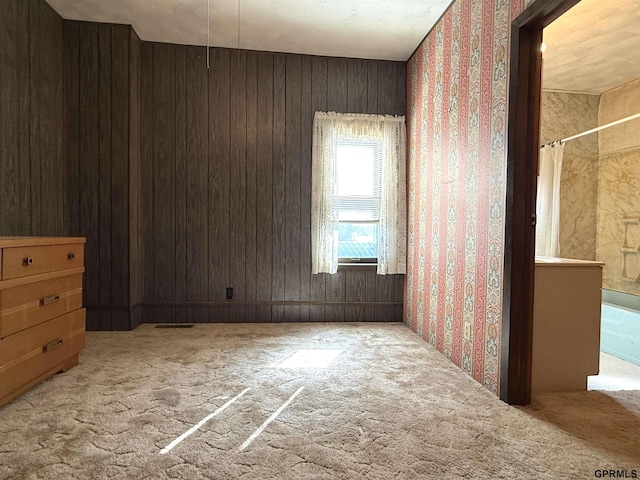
[372, 86]
[337, 100]
[146, 165]
[238, 178]
[279, 186]
[372, 107]
[251, 197]
[24, 101]
[65, 106]
[45, 112]
[24, 150]
[264, 212]
[10, 199]
[319, 89]
[33, 194]
[34, 150]
[292, 185]
[105, 73]
[358, 86]
[89, 167]
[219, 191]
[387, 88]
[180, 172]
[400, 106]
[163, 176]
[102, 145]
[370, 293]
[72, 118]
[136, 253]
[119, 221]
[53, 182]
[184, 180]
[398, 295]
[306, 135]
[55, 164]
[197, 191]
[355, 278]
[251, 220]
[387, 101]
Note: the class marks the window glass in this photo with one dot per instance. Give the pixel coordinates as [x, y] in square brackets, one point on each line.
[357, 241]
[357, 199]
[355, 172]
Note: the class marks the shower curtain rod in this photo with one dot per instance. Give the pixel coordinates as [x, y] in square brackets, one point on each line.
[594, 130]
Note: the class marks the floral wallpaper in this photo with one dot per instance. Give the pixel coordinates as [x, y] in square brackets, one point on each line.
[457, 129]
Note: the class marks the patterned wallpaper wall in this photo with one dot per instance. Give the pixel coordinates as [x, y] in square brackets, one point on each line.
[457, 109]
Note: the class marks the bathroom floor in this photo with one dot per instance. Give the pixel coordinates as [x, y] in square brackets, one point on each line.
[615, 374]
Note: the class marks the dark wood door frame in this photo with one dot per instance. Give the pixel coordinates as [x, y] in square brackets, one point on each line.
[525, 84]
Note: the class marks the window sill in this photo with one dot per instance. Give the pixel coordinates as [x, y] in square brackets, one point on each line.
[355, 264]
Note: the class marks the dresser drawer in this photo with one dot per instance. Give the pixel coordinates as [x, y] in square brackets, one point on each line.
[31, 353]
[31, 260]
[23, 306]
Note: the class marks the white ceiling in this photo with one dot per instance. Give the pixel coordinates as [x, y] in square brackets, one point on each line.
[378, 29]
[594, 47]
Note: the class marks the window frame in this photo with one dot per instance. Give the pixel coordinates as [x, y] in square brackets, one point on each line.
[391, 250]
[377, 146]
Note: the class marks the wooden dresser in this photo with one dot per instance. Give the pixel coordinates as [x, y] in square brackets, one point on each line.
[42, 322]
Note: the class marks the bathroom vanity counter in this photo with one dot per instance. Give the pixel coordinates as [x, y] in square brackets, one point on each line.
[566, 262]
[566, 324]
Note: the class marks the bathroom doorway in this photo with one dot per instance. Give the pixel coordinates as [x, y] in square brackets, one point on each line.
[590, 116]
[522, 167]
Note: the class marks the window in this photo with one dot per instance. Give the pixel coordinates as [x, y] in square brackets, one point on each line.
[357, 199]
[358, 194]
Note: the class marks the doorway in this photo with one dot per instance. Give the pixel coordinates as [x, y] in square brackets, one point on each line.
[590, 109]
[525, 99]
[522, 166]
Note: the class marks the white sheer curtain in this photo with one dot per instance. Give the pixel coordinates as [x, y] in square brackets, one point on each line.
[548, 201]
[328, 129]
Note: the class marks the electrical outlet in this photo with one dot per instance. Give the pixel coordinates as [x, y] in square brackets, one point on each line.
[229, 293]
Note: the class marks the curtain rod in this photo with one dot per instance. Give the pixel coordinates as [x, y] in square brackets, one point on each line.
[594, 130]
[356, 116]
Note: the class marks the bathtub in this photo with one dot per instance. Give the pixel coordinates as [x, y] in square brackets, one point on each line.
[620, 325]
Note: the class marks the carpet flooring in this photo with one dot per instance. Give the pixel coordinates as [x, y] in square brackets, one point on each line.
[300, 401]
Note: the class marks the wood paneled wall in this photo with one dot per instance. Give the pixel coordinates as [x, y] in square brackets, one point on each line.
[185, 180]
[226, 168]
[32, 169]
[136, 256]
[102, 137]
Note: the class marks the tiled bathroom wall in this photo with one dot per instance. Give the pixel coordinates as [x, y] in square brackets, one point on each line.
[563, 115]
[600, 188]
[618, 232]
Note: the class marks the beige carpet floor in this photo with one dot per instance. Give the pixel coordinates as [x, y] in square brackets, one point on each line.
[388, 406]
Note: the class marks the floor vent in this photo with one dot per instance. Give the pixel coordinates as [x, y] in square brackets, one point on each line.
[175, 325]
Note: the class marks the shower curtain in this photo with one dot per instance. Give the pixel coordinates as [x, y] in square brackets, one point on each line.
[548, 201]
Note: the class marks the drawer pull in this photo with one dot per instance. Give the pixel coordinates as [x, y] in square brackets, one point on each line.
[71, 256]
[49, 300]
[51, 345]
[26, 261]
